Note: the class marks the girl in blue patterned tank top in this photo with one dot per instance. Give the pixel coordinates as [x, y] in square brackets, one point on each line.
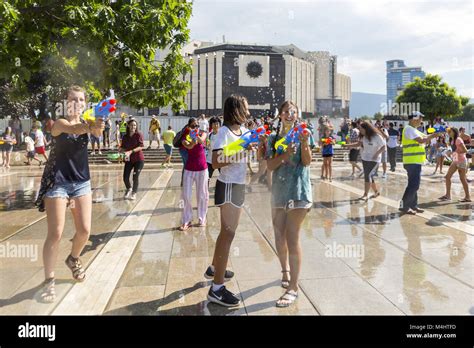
[291, 197]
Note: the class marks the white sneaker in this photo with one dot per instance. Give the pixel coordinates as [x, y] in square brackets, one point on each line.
[384, 175]
[133, 196]
[100, 153]
[92, 153]
[127, 194]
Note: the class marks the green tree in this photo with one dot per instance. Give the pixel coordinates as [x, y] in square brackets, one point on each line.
[47, 45]
[378, 116]
[435, 98]
[467, 114]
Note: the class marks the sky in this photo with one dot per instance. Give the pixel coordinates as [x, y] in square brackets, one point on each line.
[437, 35]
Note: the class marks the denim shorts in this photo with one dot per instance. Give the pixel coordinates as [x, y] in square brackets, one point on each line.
[168, 149]
[69, 190]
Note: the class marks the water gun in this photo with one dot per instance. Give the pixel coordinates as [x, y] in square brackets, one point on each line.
[193, 134]
[245, 140]
[341, 143]
[115, 156]
[102, 109]
[438, 128]
[291, 137]
[326, 141]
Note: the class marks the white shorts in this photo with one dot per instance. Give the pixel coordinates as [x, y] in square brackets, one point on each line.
[154, 136]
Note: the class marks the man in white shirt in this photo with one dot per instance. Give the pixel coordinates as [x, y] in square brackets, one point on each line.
[203, 123]
[414, 156]
[392, 145]
[30, 149]
[39, 141]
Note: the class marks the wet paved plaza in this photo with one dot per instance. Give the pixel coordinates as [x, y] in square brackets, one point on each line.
[359, 258]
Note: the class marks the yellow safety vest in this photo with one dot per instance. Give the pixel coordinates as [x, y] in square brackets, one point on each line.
[123, 127]
[413, 152]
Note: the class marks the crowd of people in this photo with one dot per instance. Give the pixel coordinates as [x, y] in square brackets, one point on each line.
[201, 143]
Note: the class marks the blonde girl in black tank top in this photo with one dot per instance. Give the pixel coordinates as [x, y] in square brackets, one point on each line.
[66, 179]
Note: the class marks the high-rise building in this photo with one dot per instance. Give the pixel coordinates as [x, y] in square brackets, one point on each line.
[398, 75]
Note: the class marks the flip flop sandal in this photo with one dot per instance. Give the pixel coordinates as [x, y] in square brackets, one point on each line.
[48, 292]
[285, 283]
[75, 265]
[444, 198]
[375, 195]
[185, 226]
[464, 200]
[287, 299]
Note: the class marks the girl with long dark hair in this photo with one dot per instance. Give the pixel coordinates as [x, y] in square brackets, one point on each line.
[372, 145]
[132, 146]
[459, 164]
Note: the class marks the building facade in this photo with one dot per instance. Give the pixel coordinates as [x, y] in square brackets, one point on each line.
[398, 75]
[267, 76]
[333, 90]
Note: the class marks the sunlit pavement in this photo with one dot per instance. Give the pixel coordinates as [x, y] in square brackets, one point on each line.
[359, 258]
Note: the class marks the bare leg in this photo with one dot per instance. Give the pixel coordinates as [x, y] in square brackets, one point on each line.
[8, 157]
[293, 226]
[462, 176]
[81, 208]
[330, 167]
[279, 229]
[230, 217]
[452, 169]
[55, 215]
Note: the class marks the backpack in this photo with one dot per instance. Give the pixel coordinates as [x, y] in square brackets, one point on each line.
[177, 138]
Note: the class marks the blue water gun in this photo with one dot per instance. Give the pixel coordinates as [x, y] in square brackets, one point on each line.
[293, 136]
[437, 128]
[193, 134]
[102, 109]
[249, 137]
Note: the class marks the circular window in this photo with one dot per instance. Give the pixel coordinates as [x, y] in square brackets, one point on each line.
[254, 69]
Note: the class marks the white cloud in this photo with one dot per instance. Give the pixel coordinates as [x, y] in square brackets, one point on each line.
[436, 35]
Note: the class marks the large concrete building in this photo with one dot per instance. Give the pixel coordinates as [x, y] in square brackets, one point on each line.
[333, 90]
[266, 75]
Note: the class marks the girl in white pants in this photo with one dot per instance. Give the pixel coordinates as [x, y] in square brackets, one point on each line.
[195, 171]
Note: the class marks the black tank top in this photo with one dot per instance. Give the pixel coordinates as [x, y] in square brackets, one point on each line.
[72, 164]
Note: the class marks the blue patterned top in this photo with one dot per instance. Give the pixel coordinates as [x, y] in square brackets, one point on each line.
[291, 180]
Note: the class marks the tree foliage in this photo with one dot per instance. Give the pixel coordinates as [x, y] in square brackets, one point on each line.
[47, 45]
[435, 98]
